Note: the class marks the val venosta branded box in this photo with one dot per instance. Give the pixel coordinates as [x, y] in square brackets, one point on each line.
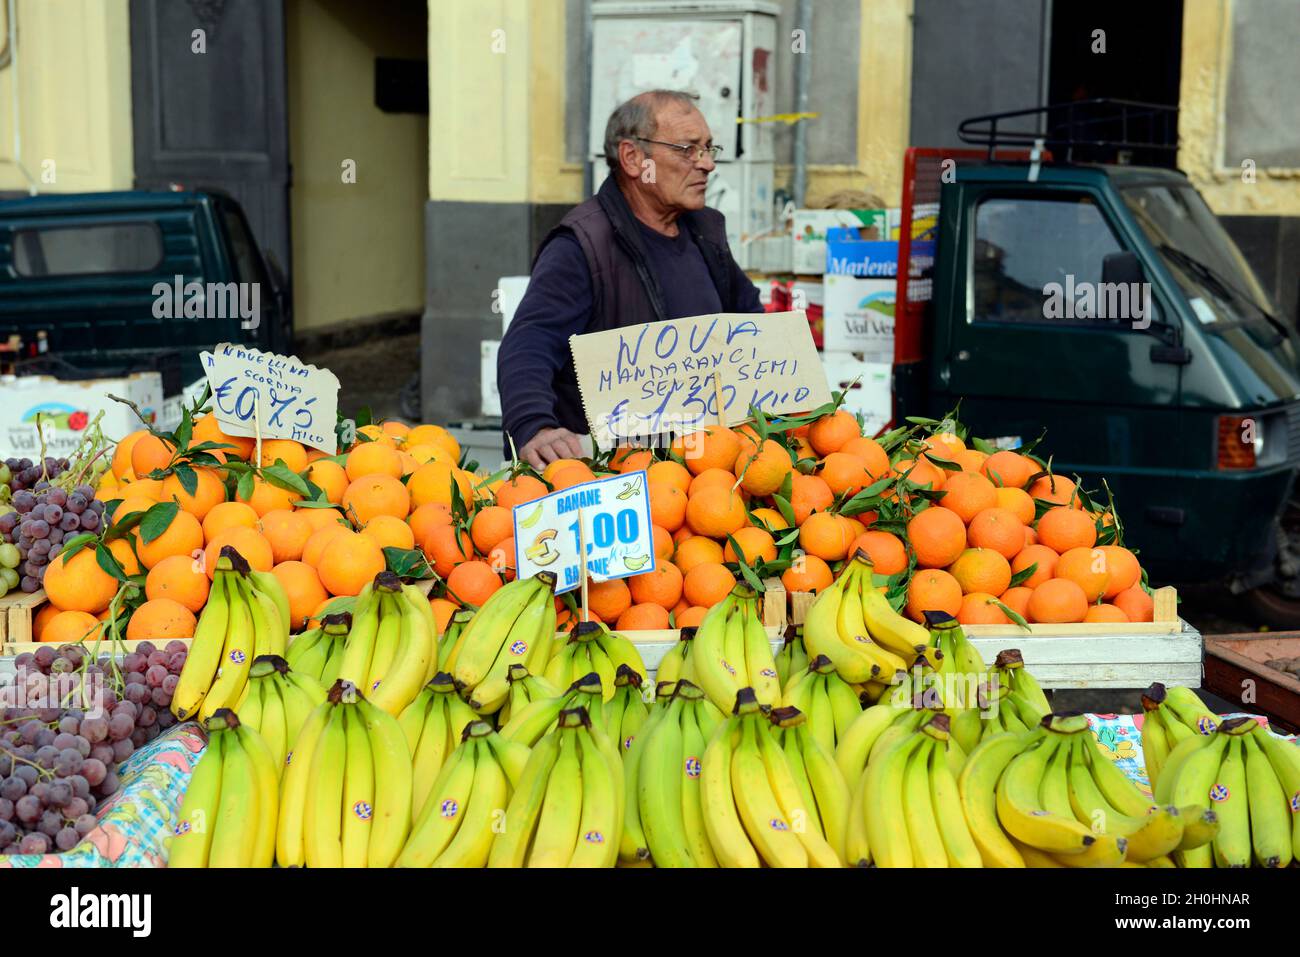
[66, 408]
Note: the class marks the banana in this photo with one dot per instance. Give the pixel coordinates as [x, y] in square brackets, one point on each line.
[1232, 845]
[274, 727]
[1163, 787]
[1270, 826]
[307, 650]
[289, 851]
[393, 785]
[301, 696]
[235, 829]
[1054, 789]
[945, 799]
[722, 823]
[1197, 772]
[693, 748]
[799, 812]
[387, 638]
[858, 658]
[659, 791]
[830, 790]
[1200, 828]
[765, 822]
[670, 665]
[237, 655]
[322, 818]
[481, 640]
[621, 651]
[411, 661]
[1033, 857]
[708, 657]
[557, 826]
[265, 583]
[510, 848]
[447, 640]
[535, 620]
[1021, 814]
[416, 599]
[799, 772]
[1122, 793]
[511, 755]
[358, 806]
[1106, 850]
[1190, 709]
[883, 805]
[1285, 759]
[205, 650]
[888, 628]
[598, 825]
[849, 621]
[844, 703]
[923, 833]
[1155, 834]
[249, 706]
[633, 845]
[359, 648]
[444, 813]
[853, 748]
[857, 850]
[529, 725]
[192, 836]
[430, 741]
[967, 728]
[1155, 743]
[821, 715]
[487, 801]
[759, 664]
[601, 664]
[272, 636]
[1011, 665]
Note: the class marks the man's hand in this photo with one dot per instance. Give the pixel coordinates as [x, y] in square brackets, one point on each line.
[551, 444]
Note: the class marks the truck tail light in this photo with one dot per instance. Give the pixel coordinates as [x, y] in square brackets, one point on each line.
[1239, 440]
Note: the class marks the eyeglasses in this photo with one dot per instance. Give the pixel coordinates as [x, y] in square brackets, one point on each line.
[688, 150]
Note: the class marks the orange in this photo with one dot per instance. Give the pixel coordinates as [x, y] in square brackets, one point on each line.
[209, 492]
[998, 529]
[607, 599]
[809, 494]
[923, 473]
[670, 473]
[682, 534]
[757, 545]
[1125, 572]
[762, 472]
[146, 488]
[79, 584]
[981, 608]
[1031, 536]
[182, 536]
[291, 453]
[330, 477]
[425, 434]
[707, 584]
[968, 494]
[121, 463]
[491, 524]
[554, 466]
[1039, 555]
[68, 627]
[1057, 601]
[319, 518]
[287, 531]
[769, 518]
[149, 453]
[394, 427]
[667, 506]
[715, 447]
[970, 460]
[1055, 489]
[1009, 469]
[121, 550]
[1105, 613]
[442, 612]
[887, 553]
[348, 563]
[808, 573]
[446, 546]
[177, 578]
[251, 545]
[373, 495]
[715, 512]
[1134, 602]
[1018, 503]
[376, 435]
[472, 583]
[692, 617]
[633, 460]
[428, 453]
[131, 503]
[520, 489]
[373, 458]
[938, 537]
[1062, 529]
[663, 543]
[208, 429]
[426, 517]
[315, 545]
[432, 483]
[572, 475]
[832, 432]
[662, 587]
[981, 570]
[389, 532]
[711, 478]
[946, 445]
[302, 585]
[825, 536]
[643, 617]
[161, 619]
[267, 497]
[1086, 567]
[696, 550]
[843, 472]
[48, 611]
[227, 515]
[1017, 599]
[871, 453]
[502, 558]
[932, 589]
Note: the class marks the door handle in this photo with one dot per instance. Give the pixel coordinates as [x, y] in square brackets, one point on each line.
[962, 356]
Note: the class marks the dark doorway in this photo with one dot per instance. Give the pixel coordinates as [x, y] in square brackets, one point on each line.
[1141, 61]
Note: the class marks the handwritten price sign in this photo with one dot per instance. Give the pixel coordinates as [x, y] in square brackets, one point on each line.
[280, 396]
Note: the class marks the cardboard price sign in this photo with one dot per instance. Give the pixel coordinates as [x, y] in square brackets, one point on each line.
[609, 517]
[277, 397]
[684, 374]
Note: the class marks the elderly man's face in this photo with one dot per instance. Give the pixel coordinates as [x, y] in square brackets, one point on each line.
[677, 179]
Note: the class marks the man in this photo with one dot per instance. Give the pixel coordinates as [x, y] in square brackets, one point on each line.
[643, 249]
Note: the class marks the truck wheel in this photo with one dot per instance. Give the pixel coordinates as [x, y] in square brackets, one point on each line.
[1270, 607]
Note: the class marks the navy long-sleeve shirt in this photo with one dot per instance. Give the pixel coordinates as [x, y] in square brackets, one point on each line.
[558, 304]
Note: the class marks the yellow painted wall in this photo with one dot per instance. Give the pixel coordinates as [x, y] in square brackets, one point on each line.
[358, 248]
[1207, 57]
[74, 96]
[550, 178]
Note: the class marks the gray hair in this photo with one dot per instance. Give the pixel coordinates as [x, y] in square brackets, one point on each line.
[638, 118]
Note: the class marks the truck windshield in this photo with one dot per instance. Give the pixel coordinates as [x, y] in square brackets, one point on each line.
[1206, 263]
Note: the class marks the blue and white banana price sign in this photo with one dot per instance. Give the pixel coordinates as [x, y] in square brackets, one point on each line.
[610, 516]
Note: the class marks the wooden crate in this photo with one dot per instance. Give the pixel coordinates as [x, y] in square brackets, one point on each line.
[1234, 664]
[17, 611]
[1090, 655]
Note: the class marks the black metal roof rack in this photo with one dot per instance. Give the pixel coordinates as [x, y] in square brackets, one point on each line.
[1097, 124]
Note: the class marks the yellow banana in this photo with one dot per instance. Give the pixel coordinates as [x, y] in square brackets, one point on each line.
[237, 655]
[726, 833]
[830, 790]
[557, 826]
[597, 844]
[510, 849]
[487, 802]
[411, 661]
[322, 817]
[359, 649]
[759, 664]
[192, 836]
[946, 801]
[764, 821]
[689, 769]
[481, 640]
[977, 788]
[392, 820]
[923, 833]
[289, 850]
[708, 657]
[445, 810]
[359, 796]
[235, 830]
[266, 782]
[1232, 845]
[1021, 814]
[205, 650]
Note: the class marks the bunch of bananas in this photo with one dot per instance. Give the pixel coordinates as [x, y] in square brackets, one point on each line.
[829, 703]
[276, 704]
[318, 652]
[515, 626]
[754, 811]
[433, 725]
[247, 616]
[525, 688]
[592, 647]
[457, 827]
[390, 650]
[731, 651]
[447, 640]
[792, 659]
[826, 796]
[853, 625]
[567, 808]
[634, 850]
[1171, 716]
[1250, 781]
[952, 652]
[228, 815]
[345, 800]
[1002, 709]
[1009, 666]
[539, 717]
[625, 713]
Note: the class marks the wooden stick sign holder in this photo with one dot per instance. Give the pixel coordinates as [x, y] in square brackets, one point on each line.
[582, 564]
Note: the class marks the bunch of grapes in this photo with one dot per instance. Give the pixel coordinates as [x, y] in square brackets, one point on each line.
[44, 516]
[60, 749]
[19, 474]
